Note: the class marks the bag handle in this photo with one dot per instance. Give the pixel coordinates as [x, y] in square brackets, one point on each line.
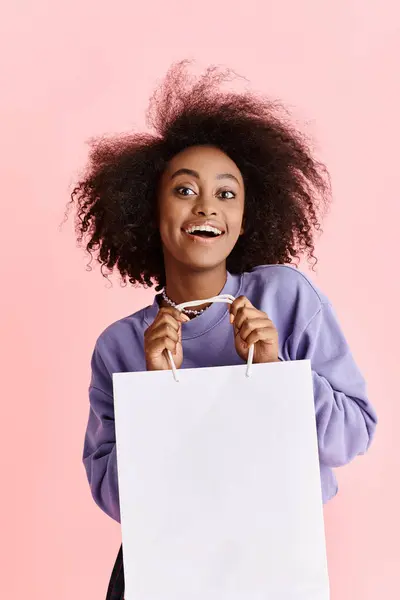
[228, 299]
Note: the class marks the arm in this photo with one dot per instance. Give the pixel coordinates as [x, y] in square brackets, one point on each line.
[346, 421]
[99, 454]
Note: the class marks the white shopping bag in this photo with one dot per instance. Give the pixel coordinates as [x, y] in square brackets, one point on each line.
[219, 483]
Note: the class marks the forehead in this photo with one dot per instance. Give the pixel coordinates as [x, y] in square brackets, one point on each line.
[207, 160]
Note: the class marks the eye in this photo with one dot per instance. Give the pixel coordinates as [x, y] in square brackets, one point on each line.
[233, 195]
[179, 189]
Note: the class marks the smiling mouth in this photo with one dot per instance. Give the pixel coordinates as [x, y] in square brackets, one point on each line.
[204, 232]
[205, 235]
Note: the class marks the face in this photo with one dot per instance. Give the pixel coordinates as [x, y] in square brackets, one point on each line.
[201, 205]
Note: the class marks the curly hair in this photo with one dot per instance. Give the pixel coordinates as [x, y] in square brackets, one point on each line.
[286, 189]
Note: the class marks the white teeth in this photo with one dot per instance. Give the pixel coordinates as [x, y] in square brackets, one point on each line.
[204, 228]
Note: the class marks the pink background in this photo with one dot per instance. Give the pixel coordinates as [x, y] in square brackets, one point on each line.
[70, 72]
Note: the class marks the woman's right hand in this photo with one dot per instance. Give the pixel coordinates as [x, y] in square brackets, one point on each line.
[165, 333]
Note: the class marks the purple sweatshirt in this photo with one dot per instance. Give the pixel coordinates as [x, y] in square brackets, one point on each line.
[307, 329]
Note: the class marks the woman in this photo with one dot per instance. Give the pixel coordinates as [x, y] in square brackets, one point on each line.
[221, 199]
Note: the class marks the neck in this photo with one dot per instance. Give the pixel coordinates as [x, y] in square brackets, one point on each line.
[186, 286]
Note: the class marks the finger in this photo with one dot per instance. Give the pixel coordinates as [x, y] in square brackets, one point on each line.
[246, 313]
[240, 302]
[267, 335]
[164, 330]
[157, 346]
[166, 317]
[173, 312]
[249, 325]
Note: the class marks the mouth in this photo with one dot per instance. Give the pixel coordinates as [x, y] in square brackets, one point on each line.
[204, 233]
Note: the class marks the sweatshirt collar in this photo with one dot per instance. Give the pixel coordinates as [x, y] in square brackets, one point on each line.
[210, 318]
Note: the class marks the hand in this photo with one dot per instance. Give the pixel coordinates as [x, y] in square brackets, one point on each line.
[164, 334]
[252, 326]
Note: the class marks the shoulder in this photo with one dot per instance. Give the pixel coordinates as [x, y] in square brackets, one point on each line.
[123, 333]
[288, 279]
[284, 290]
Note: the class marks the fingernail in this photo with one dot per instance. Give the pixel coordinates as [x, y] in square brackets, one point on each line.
[231, 318]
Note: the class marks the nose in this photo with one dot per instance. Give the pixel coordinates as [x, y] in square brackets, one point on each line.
[205, 208]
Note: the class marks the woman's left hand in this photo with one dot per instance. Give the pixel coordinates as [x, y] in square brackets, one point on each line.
[252, 326]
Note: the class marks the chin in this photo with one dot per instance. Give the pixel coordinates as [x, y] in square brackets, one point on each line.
[198, 259]
[203, 266]
[197, 264]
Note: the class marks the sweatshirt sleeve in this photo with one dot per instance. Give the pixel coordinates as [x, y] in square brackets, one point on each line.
[346, 421]
[99, 455]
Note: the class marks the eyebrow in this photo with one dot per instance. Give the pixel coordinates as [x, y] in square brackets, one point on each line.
[195, 174]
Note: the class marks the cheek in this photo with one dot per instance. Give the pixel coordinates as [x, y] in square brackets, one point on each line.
[163, 212]
[168, 222]
[164, 229]
[237, 221]
[162, 222]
